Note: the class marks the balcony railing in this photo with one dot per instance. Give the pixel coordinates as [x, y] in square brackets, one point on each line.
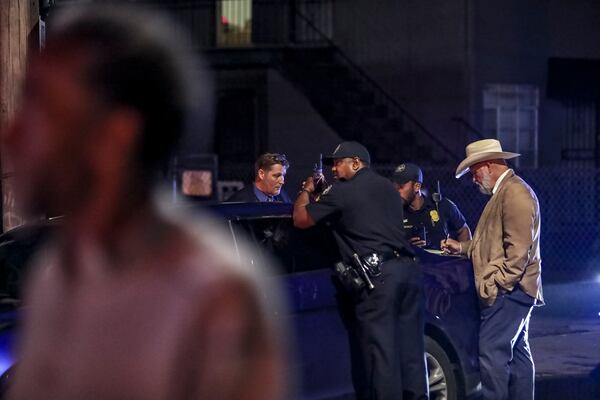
[215, 24]
[251, 23]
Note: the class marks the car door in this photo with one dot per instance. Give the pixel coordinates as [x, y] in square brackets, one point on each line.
[304, 259]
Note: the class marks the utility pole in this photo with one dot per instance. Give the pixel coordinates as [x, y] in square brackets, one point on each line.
[19, 34]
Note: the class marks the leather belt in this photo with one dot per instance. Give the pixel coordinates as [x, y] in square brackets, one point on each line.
[376, 259]
[379, 258]
[371, 262]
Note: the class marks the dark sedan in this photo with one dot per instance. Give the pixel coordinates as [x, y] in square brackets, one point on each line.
[323, 361]
[305, 257]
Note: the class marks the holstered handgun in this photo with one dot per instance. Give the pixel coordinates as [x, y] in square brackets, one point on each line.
[354, 277]
[348, 277]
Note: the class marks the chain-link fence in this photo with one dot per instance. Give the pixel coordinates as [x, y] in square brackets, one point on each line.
[569, 204]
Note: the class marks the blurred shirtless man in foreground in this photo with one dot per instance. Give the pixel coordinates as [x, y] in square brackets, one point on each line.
[126, 301]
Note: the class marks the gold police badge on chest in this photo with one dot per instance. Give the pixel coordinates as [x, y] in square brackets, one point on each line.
[435, 217]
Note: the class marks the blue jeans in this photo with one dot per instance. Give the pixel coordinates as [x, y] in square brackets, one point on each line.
[505, 361]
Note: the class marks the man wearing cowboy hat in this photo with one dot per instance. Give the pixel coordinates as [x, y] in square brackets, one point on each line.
[505, 252]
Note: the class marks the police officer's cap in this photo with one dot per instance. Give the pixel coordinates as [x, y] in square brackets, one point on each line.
[407, 172]
[348, 149]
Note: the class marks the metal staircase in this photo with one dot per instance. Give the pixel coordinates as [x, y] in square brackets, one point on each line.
[294, 36]
[355, 105]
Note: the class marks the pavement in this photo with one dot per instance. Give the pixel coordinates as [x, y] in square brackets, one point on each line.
[565, 342]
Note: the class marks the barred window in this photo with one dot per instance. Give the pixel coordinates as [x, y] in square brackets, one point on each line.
[511, 115]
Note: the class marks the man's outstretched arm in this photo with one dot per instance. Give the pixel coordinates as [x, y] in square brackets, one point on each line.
[302, 218]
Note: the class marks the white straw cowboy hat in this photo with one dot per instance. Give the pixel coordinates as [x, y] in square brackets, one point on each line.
[482, 150]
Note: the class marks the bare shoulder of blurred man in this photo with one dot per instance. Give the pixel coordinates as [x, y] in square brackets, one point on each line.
[127, 301]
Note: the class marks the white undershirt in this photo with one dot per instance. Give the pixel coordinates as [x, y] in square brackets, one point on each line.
[500, 180]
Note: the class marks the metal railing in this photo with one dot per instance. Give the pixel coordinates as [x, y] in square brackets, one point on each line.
[465, 134]
[268, 23]
[569, 201]
[217, 24]
[409, 122]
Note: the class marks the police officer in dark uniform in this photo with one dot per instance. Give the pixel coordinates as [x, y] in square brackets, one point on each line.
[427, 223]
[386, 322]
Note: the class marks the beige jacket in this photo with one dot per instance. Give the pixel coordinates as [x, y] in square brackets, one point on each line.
[505, 249]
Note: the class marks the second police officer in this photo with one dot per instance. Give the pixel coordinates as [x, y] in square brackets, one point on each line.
[427, 223]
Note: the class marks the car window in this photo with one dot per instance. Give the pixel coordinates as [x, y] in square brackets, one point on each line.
[296, 250]
[17, 248]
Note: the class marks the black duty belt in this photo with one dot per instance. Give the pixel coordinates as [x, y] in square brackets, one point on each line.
[360, 272]
[374, 260]
[378, 258]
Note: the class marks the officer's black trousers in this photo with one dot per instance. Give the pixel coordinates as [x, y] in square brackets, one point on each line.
[386, 335]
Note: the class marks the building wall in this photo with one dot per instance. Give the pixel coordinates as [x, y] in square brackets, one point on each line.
[512, 43]
[18, 36]
[434, 57]
[416, 50]
[296, 130]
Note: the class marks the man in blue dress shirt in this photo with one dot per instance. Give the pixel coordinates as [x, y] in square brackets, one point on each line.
[269, 177]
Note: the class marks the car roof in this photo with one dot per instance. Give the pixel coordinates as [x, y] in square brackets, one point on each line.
[30, 230]
[228, 211]
[251, 210]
